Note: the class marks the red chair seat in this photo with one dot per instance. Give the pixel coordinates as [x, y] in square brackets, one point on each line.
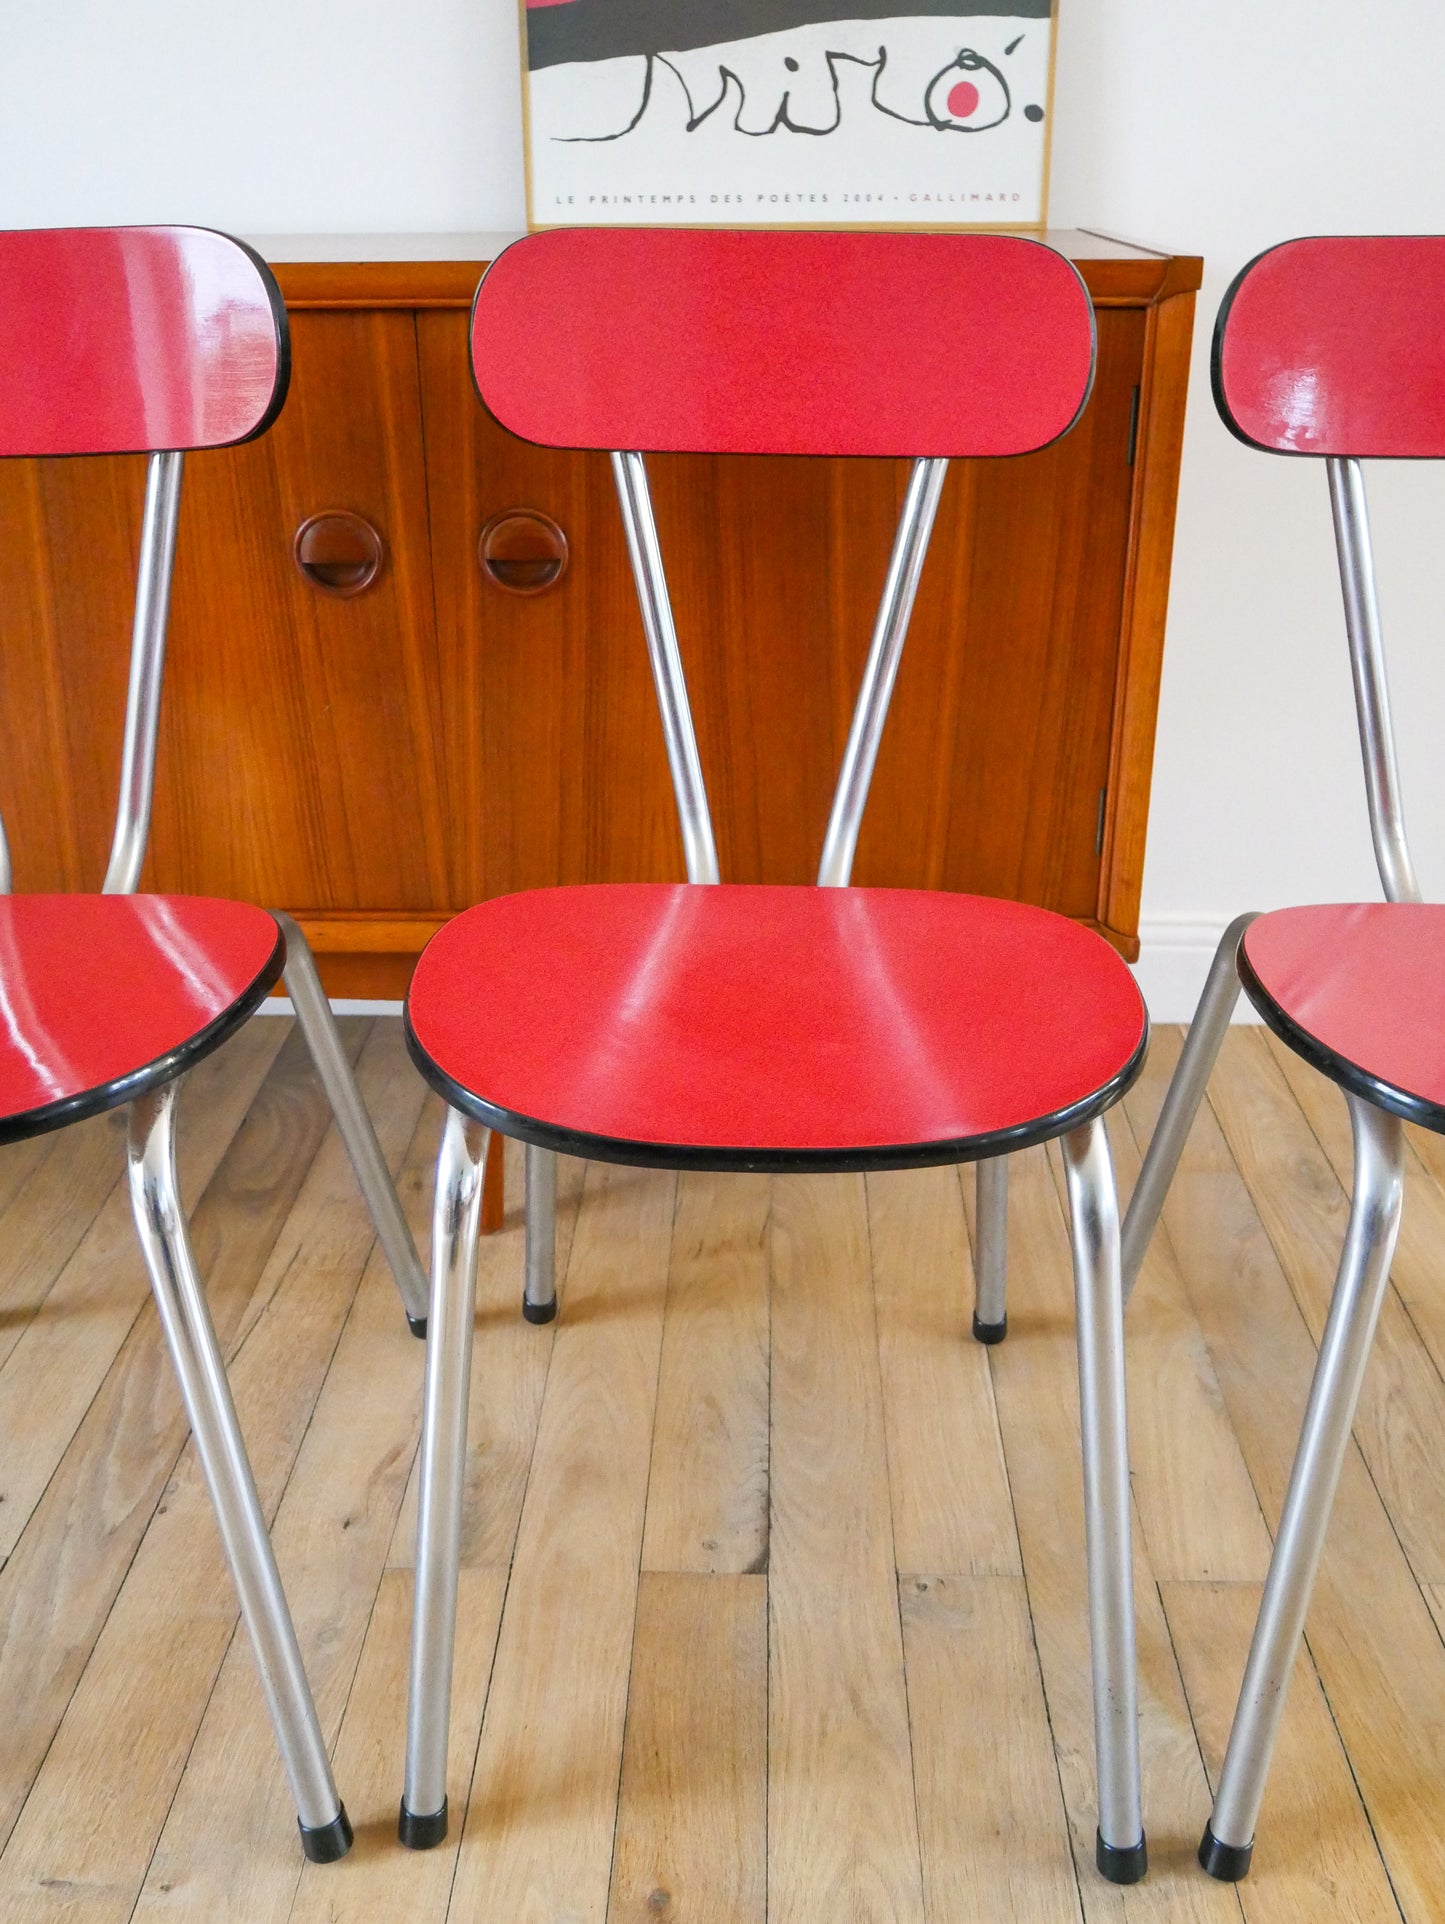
[750, 1027]
[1358, 989]
[105, 996]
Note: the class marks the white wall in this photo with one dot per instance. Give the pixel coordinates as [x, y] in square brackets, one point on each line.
[1211, 128]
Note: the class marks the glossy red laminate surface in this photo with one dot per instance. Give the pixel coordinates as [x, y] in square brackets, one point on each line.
[822, 1023]
[96, 990]
[783, 343]
[133, 339]
[1359, 989]
[1336, 346]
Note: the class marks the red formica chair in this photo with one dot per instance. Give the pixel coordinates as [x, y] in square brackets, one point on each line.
[1333, 348]
[161, 340]
[702, 1026]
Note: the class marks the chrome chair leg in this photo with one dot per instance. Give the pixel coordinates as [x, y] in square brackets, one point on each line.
[1181, 1103]
[539, 1295]
[318, 1025]
[1364, 1271]
[155, 1200]
[456, 1212]
[1120, 1850]
[990, 1265]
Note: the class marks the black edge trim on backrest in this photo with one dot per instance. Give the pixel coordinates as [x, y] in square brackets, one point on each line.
[151, 1075]
[283, 337]
[1349, 1075]
[649, 1155]
[1027, 239]
[1216, 351]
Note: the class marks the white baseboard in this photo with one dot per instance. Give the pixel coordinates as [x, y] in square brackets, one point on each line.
[1175, 952]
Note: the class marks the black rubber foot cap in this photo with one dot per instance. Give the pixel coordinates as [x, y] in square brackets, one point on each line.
[417, 1326]
[539, 1312]
[422, 1833]
[1121, 1864]
[989, 1332]
[1227, 1862]
[325, 1843]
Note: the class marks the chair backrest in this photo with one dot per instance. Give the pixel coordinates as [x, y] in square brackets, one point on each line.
[129, 340]
[126, 340]
[755, 342]
[1334, 346]
[759, 342]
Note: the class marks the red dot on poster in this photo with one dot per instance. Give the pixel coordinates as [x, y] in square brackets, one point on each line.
[962, 99]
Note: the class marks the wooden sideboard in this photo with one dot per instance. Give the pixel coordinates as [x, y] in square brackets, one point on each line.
[375, 762]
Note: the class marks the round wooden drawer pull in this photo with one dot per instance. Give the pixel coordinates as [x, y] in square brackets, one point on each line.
[523, 551]
[338, 552]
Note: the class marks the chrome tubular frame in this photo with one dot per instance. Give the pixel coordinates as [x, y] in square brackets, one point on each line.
[1094, 1219]
[890, 631]
[196, 1354]
[1367, 665]
[990, 1258]
[630, 473]
[1360, 1282]
[147, 670]
[1181, 1103]
[456, 1212]
[539, 1292]
[318, 1025]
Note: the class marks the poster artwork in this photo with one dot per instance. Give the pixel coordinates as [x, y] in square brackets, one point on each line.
[777, 112]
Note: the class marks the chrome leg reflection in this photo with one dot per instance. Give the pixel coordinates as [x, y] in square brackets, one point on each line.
[318, 1025]
[1360, 1284]
[186, 1319]
[990, 1259]
[1094, 1216]
[456, 1213]
[1181, 1103]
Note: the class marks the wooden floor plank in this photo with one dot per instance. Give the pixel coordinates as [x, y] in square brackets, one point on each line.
[1180, 1438]
[951, 1510]
[537, 1844]
[176, 1611]
[707, 1502]
[1417, 1275]
[1035, 1383]
[63, 1576]
[1317, 1863]
[60, 1359]
[1373, 1640]
[692, 1815]
[1304, 1209]
[842, 1825]
[990, 1812]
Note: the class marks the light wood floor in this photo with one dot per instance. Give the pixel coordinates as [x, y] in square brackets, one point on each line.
[772, 1600]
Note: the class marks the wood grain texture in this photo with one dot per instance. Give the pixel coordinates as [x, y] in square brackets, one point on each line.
[1369, 1631]
[952, 1515]
[707, 1501]
[538, 1839]
[1326, 1865]
[375, 764]
[995, 1853]
[1304, 1209]
[692, 1813]
[842, 1824]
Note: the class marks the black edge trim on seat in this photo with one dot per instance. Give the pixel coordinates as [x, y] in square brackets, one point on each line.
[1349, 1075]
[666, 1155]
[110, 1095]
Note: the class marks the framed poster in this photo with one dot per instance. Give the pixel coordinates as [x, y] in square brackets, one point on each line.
[815, 113]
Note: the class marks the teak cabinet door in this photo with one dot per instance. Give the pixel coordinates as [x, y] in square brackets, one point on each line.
[994, 764]
[299, 760]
